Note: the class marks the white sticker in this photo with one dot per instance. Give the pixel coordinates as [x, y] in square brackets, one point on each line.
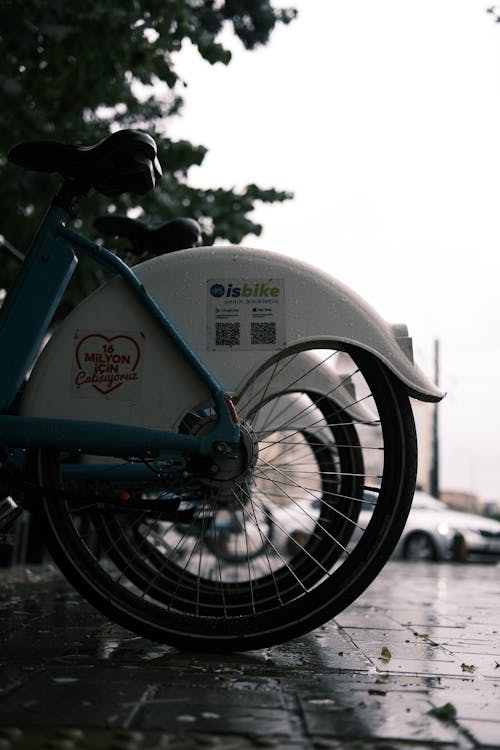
[246, 313]
[107, 364]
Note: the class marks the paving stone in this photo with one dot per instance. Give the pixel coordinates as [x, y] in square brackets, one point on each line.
[485, 733]
[404, 719]
[361, 635]
[477, 701]
[413, 650]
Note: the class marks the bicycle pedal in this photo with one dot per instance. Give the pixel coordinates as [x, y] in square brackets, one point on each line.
[9, 512]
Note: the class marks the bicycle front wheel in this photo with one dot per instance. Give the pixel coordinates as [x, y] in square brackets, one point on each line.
[272, 553]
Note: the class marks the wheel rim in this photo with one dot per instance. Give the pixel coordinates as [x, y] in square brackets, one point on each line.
[304, 530]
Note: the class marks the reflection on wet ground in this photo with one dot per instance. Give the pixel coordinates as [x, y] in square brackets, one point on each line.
[415, 662]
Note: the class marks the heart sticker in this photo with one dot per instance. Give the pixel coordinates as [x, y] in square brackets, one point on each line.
[105, 363]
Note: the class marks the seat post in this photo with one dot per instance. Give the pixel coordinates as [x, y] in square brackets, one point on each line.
[69, 195]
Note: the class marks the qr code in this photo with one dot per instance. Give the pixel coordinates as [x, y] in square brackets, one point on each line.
[227, 334]
[263, 333]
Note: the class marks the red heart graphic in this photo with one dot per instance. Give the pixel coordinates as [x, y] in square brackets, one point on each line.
[107, 362]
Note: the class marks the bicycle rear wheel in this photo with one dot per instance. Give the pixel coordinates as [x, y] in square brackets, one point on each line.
[267, 556]
[183, 557]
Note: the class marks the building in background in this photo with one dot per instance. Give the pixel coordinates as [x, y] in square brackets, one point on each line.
[423, 413]
[462, 501]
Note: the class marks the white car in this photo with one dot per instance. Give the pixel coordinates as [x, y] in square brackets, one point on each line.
[434, 531]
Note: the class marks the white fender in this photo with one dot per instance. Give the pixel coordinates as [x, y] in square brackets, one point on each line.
[236, 306]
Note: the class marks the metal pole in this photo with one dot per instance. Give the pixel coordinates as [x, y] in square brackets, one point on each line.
[434, 473]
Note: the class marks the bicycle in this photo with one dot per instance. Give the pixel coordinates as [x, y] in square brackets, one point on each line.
[198, 436]
[145, 240]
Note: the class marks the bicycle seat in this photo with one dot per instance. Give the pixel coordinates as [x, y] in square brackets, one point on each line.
[124, 162]
[167, 237]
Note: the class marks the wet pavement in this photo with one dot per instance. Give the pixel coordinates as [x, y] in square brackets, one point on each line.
[414, 663]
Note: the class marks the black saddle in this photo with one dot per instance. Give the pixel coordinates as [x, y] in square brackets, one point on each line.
[167, 237]
[124, 162]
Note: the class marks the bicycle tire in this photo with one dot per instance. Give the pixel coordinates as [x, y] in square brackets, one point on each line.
[279, 604]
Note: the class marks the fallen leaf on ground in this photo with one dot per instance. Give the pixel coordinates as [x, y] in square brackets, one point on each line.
[468, 667]
[444, 713]
[385, 653]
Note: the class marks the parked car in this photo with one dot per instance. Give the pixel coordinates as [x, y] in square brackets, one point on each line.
[434, 531]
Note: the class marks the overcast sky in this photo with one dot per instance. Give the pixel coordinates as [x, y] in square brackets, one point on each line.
[383, 118]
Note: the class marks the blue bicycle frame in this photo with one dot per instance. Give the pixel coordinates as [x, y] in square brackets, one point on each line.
[24, 321]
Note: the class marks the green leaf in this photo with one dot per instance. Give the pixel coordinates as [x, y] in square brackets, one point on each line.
[468, 667]
[444, 713]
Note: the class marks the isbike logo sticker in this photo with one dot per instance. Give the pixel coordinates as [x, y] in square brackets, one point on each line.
[107, 363]
[245, 314]
[258, 289]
